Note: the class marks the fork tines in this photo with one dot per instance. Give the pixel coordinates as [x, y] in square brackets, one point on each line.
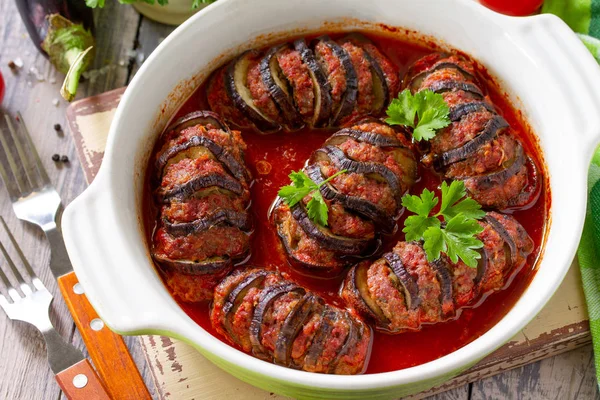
[26, 289]
[26, 170]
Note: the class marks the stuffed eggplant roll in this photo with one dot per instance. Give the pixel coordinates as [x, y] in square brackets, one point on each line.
[320, 83]
[204, 226]
[402, 290]
[280, 322]
[362, 202]
[478, 147]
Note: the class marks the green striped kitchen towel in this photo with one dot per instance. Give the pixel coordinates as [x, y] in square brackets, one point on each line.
[583, 16]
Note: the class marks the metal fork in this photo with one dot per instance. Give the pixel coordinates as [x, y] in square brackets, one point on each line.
[35, 200]
[73, 372]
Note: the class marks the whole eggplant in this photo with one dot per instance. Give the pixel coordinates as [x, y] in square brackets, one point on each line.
[62, 30]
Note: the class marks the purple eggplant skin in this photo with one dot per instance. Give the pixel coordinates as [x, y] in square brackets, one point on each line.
[411, 290]
[491, 130]
[34, 13]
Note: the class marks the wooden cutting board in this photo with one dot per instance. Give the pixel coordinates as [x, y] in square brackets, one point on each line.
[180, 372]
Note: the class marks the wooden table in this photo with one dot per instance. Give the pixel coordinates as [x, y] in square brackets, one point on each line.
[24, 373]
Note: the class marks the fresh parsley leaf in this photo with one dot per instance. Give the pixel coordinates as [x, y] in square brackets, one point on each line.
[300, 179]
[461, 242]
[292, 195]
[455, 201]
[317, 209]
[402, 111]
[415, 226]
[430, 109]
[457, 235]
[434, 243]
[422, 204]
[303, 186]
[457, 240]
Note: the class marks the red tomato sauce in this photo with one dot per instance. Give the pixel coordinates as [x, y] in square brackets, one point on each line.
[271, 158]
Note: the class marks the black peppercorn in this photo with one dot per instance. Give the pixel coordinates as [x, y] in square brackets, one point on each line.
[64, 159]
[55, 157]
[57, 127]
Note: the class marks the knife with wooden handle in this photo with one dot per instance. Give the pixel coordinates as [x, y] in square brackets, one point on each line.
[107, 349]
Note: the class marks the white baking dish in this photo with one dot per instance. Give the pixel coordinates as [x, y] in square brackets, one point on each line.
[539, 61]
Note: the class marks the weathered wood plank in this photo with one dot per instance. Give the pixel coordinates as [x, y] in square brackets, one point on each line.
[459, 393]
[567, 376]
[151, 34]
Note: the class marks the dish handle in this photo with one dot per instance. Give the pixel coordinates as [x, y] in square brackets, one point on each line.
[129, 300]
[559, 50]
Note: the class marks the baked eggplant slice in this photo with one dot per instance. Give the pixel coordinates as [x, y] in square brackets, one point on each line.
[482, 264]
[386, 83]
[416, 82]
[188, 189]
[355, 204]
[339, 244]
[214, 265]
[355, 293]
[291, 327]
[321, 89]
[301, 248]
[491, 130]
[444, 277]
[374, 139]
[203, 117]
[492, 179]
[365, 98]
[506, 237]
[409, 286]
[266, 299]
[463, 109]
[235, 298]
[371, 169]
[218, 151]
[237, 89]
[313, 354]
[351, 341]
[230, 217]
[338, 68]
[221, 102]
[279, 87]
[443, 86]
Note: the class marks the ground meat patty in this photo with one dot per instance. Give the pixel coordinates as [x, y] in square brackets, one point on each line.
[260, 93]
[403, 291]
[191, 288]
[478, 146]
[221, 103]
[362, 202]
[203, 227]
[297, 74]
[288, 325]
[366, 97]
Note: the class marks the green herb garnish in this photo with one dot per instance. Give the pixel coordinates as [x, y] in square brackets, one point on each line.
[303, 186]
[457, 235]
[427, 108]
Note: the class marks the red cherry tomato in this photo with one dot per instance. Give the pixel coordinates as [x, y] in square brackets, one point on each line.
[1, 88]
[518, 8]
